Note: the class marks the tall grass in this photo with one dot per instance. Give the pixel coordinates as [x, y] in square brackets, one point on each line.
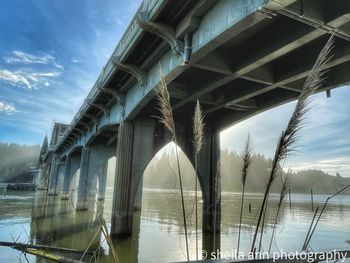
[288, 138]
[284, 190]
[198, 127]
[310, 234]
[247, 160]
[217, 199]
[168, 120]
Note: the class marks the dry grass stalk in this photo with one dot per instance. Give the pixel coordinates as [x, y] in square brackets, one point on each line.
[308, 238]
[247, 161]
[168, 120]
[310, 228]
[288, 138]
[198, 130]
[103, 228]
[217, 199]
[284, 190]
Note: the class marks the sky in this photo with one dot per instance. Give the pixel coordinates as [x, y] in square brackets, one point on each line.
[51, 54]
[53, 51]
[324, 141]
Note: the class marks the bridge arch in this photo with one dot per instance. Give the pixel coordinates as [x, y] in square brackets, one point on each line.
[97, 151]
[72, 166]
[109, 130]
[162, 170]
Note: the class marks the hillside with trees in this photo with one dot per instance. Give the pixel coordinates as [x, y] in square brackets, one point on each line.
[161, 173]
[15, 160]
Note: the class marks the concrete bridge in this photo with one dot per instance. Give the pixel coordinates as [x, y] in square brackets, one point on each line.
[238, 57]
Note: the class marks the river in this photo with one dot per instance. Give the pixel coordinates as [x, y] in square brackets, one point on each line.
[158, 234]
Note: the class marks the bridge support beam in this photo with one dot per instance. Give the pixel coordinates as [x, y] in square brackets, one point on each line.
[41, 179]
[135, 148]
[53, 175]
[82, 188]
[209, 172]
[65, 192]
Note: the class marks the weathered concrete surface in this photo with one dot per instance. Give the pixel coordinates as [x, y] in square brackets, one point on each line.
[53, 175]
[135, 149]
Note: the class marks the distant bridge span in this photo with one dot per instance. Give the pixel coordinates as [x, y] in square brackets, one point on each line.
[238, 57]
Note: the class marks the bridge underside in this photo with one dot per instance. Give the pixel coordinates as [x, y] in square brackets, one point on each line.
[260, 63]
[255, 63]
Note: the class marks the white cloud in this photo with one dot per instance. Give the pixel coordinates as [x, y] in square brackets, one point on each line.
[7, 108]
[29, 80]
[25, 58]
[331, 166]
[76, 60]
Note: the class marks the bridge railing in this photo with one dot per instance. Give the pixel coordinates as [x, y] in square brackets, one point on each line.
[133, 29]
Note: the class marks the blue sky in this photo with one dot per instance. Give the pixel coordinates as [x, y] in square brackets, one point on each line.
[324, 139]
[52, 52]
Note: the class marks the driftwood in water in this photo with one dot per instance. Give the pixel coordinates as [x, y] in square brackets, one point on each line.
[41, 251]
[49, 248]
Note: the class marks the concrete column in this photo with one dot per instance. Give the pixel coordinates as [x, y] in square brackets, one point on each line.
[209, 172]
[41, 181]
[209, 178]
[82, 188]
[135, 148]
[65, 191]
[53, 175]
[102, 181]
[60, 177]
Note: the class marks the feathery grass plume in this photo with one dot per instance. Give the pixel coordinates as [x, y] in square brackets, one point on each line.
[247, 161]
[288, 138]
[284, 190]
[168, 120]
[164, 105]
[198, 127]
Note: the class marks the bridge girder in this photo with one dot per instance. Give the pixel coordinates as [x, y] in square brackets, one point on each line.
[101, 107]
[139, 74]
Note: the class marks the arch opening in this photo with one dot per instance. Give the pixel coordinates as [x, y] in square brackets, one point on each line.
[160, 215]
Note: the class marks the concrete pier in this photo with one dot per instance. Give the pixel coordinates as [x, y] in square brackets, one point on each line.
[84, 171]
[53, 175]
[135, 149]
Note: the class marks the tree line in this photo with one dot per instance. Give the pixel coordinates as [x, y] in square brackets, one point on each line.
[15, 159]
[161, 172]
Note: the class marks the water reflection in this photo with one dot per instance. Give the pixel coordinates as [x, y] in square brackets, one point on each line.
[158, 234]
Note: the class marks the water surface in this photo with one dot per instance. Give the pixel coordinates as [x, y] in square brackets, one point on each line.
[37, 218]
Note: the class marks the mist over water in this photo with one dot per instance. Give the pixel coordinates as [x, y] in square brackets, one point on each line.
[158, 234]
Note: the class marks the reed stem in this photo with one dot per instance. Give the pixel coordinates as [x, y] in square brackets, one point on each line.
[182, 199]
[196, 204]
